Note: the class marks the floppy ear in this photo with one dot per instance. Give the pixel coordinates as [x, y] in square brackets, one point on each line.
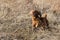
[44, 15]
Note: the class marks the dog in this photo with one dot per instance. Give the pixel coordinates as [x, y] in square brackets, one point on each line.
[39, 19]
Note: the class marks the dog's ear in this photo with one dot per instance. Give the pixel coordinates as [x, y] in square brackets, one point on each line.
[44, 15]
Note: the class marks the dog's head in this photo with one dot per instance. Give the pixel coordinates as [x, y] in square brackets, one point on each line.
[35, 13]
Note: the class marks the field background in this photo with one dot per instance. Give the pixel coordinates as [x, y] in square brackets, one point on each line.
[15, 20]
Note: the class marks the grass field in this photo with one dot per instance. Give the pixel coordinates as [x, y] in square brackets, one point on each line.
[15, 20]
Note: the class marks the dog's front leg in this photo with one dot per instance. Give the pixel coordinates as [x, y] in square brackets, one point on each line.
[36, 25]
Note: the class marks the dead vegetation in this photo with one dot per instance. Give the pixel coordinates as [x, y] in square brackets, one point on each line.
[15, 20]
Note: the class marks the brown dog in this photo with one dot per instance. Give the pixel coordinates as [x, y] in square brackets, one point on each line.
[38, 19]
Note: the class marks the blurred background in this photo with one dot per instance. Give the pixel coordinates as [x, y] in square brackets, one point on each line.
[15, 20]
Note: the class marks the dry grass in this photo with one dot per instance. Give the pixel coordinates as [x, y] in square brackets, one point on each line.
[15, 20]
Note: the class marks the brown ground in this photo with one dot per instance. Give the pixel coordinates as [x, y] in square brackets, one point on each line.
[15, 20]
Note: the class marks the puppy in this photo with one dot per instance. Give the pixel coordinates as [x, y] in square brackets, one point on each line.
[35, 18]
[38, 19]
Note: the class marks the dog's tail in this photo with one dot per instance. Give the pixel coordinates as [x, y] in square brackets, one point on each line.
[44, 15]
